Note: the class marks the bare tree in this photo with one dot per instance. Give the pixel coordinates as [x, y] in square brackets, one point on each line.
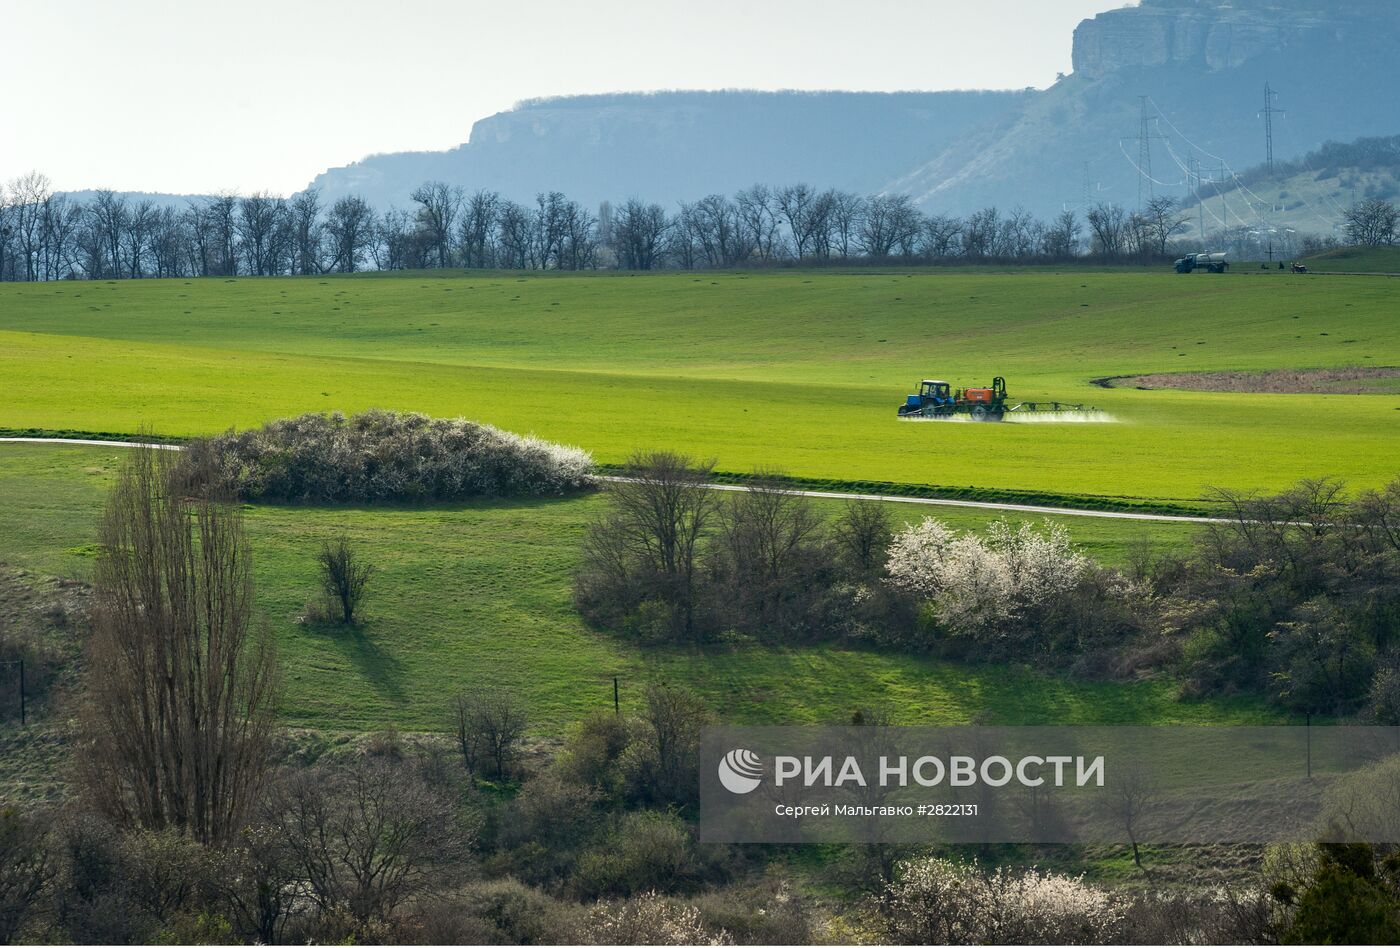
[439, 206]
[168, 244]
[1163, 220]
[395, 246]
[304, 212]
[755, 208]
[799, 206]
[490, 727]
[714, 222]
[344, 575]
[768, 535]
[547, 247]
[61, 220]
[181, 684]
[1019, 236]
[846, 212]
[660, 510]
[979, 233]
[27, 866]
[259, 216]
[478, 221]
[863, 532]
[940, 236]
[1373, 223]
[668, 771]
[1061, 240]
[890, 221]
[351, 228]
[367, 838]
[578, 250]
[223, 218]
[1133, 799]
[639, 235]
[28, 195]
[139, 225]
[1108, 224]
[516, 227]
[109, 219]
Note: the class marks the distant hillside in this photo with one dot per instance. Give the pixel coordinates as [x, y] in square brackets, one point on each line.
[159, 199]
[1309, 194]
[1203, 65]
[671, 146]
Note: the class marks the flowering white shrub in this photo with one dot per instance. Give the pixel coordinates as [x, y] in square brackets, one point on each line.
[649, 919]
[979, 584]
[383, 455]
[936, 901]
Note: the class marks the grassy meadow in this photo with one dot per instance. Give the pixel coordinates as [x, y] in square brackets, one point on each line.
[476, 595]
[798, 370]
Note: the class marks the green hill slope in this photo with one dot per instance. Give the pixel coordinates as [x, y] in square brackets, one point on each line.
[1356, 260]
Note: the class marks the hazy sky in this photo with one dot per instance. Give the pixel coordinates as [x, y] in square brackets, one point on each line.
[199, 96]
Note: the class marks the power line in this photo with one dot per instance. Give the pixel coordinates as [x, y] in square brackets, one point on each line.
[1269, 112]
[1194, 171]
[1147, 132]
[1143, 172]
[1224, 165]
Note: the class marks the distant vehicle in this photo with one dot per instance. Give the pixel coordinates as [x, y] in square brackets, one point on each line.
[1299, 268]
[938, 399]
[1211, 262]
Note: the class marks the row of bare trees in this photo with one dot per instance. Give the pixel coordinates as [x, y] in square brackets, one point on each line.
[48, 235]
[766, 226]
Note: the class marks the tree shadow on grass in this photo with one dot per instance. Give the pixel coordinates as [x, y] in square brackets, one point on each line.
[375, 666]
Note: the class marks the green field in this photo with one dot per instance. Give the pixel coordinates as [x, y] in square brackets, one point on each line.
[789, 369]
[476, 595]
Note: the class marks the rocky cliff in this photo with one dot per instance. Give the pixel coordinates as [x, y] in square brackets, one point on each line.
[1218, 34]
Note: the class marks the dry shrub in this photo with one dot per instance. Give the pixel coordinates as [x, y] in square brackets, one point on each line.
[771, 913]
[936, 901]
[650, 919]
[500, 912]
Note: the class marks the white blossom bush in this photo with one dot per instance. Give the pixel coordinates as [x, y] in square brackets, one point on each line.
[981, 585]
[936, 901]
[649, 919]
[386, 456]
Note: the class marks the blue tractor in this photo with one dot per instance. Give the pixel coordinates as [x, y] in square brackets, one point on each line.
[936, 399]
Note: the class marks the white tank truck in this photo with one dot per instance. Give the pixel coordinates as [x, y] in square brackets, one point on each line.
[1212, 262]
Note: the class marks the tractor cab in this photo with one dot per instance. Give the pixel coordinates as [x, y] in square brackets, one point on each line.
[936, 391]
[935, 396]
